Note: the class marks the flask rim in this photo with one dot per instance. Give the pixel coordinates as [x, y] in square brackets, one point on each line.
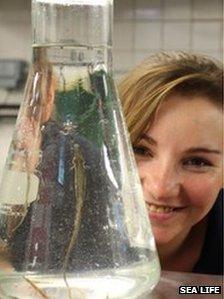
[77, 2]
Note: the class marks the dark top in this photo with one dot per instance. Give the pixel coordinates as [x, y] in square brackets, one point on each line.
[211, 259]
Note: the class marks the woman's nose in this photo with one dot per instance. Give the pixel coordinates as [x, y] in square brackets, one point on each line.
[162, 182]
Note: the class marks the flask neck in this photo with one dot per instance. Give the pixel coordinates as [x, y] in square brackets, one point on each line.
[76, 58]
[81, 23]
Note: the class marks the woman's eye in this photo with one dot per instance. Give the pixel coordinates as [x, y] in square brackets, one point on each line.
[142, 151]
[197, 162]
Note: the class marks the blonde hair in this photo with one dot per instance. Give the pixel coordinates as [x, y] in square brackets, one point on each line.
[146, 86]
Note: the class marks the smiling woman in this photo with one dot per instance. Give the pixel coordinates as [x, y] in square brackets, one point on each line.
[173, 109]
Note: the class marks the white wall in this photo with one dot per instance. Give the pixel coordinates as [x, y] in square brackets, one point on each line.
[143, 27]
[15, 29]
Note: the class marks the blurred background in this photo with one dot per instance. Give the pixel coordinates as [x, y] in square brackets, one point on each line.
[141, 28]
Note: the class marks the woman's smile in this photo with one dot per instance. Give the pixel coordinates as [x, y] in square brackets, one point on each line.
[163, 212]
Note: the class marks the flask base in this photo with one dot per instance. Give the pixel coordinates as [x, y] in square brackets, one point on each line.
[113, 284]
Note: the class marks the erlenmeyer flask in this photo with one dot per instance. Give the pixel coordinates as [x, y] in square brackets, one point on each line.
[73, 222]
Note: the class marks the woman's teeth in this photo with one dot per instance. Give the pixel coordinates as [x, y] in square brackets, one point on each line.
[159, 209]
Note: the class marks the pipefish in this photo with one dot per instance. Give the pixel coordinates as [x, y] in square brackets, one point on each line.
[78, 165]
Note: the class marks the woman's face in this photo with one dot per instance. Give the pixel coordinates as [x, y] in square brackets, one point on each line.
[179, 161]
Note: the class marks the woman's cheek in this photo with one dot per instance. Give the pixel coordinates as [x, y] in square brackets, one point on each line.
[144, 167]
[202, 189]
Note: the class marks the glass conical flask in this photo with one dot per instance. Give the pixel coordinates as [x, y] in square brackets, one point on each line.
[73, 222]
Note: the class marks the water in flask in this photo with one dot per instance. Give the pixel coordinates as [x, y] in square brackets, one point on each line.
[73, 223]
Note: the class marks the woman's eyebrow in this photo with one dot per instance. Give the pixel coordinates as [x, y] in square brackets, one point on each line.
[149, 139]
[205, 150]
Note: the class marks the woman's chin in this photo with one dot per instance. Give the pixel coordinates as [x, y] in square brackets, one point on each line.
[161, 236]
